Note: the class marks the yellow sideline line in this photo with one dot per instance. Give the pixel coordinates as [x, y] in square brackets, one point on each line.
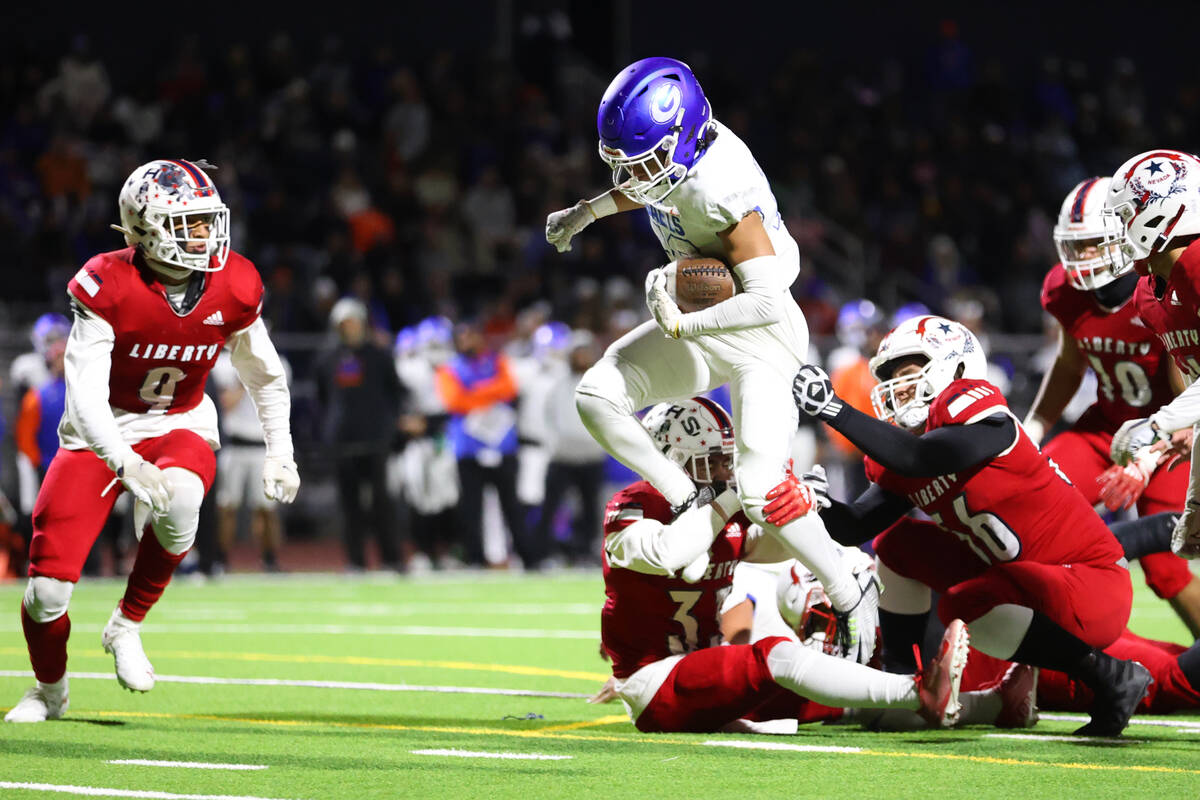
[612, 719]
[555, 732]
[511, 669]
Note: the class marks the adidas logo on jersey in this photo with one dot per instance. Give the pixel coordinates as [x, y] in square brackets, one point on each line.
[214, 318]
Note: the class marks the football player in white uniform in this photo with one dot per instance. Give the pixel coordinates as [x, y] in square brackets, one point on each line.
[706, 196]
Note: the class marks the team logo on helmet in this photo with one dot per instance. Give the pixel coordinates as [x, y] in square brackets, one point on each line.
[666, 103]
[1148, 180]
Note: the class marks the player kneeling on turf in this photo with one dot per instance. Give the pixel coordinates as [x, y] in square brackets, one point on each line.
[665, 582]
[1014, 549]
[149, 322]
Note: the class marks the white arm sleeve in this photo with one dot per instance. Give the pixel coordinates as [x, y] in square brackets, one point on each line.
[260, 370]
[758, 304]
[1182, 412]
[652, 548]
[86, 367]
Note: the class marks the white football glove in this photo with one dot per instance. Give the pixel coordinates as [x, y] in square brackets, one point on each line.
[145, 482]
[562, 226]
[664, 308]
[281, 480]
[818, 481]
[813, 393]
[1185, 539]
[1132, 436]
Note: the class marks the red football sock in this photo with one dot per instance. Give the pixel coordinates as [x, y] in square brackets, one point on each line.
[47, 642]
[152, 571]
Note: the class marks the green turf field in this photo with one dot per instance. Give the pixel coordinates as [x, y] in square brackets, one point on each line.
[404, 649]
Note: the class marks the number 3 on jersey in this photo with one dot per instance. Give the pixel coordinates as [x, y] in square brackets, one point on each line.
[158, 390]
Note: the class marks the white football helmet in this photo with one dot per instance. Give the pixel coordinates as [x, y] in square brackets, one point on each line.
[1082, 228]
[1154, 198]
[691, 431]
[163, 203]
[950, 351]
[806, 608]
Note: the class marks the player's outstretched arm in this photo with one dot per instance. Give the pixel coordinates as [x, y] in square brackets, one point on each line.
[852, 524]
[760, 302]
[1058, 387]
[564, 225]
[938, 452]
[87, 364]
[650, 547]
[262, 373]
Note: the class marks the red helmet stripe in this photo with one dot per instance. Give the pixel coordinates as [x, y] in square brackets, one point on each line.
[193, 170]
[718, 412]
[1081, 198]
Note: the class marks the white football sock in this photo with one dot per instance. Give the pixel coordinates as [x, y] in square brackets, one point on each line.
[979, 708]
[807, 538]
[836, 682]
[622, 435]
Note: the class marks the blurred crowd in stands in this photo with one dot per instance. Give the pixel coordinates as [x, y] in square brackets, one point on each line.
[395, 207]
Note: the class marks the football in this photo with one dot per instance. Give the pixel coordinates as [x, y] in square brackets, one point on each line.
[701, 282]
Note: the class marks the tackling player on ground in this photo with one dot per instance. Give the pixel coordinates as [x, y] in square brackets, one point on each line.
[1099, 329]
[705, 196]
[1013, 549]
[149, 322]
[665, 582]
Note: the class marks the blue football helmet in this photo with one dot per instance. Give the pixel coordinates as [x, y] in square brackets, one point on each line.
[856, 319]
[406, 341]
[653, 122]
[47, 328]
[551, 338]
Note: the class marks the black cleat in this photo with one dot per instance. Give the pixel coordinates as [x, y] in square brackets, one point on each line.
[1120, 687]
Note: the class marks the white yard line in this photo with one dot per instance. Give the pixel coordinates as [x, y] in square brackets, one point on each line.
[373, 687]
[1049, 737]
[803, 748]
[97, 791]
[347, 630]
[474, 754]
[1161, 722]
[144, 762]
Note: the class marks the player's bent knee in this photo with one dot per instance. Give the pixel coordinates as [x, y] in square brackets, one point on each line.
[46, 599]
[603, 392]
[903, 595]
[176, 531]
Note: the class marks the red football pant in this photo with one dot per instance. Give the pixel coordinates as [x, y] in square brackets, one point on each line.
[70, 512]
[1091, 601]
[710, 688]
[1171, 691]
[67, 518]
[1083, 454]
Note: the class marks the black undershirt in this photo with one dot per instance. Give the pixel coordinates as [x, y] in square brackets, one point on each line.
[944, 450]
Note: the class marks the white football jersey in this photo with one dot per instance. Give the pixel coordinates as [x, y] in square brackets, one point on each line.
[725, 185]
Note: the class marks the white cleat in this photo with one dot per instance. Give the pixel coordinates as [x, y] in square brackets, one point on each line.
[938, 684]
[121, 637]
[41, 702]
[1018, 697]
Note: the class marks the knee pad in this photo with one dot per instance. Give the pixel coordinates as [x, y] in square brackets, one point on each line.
[176, 530]
[603, 390]
[999, 632]
[902, 595]
[46, 599]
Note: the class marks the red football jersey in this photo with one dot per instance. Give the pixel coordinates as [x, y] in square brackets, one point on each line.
[1129, 361]
[1016, 506]
[161, 358]
[1170, 308]
[647, 618]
